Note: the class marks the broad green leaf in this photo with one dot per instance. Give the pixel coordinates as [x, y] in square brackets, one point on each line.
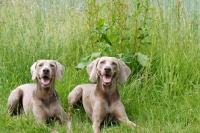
[83, 64]
[143, 59]
[100, 23]
[105, 27]
[106, 39]
[127, 58]
[95, 55]
[95, 30]
[85, 58]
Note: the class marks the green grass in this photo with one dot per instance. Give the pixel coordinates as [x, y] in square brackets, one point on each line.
[161, 98]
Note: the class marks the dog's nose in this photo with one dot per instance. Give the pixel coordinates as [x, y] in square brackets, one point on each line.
[107, 69]
[45, 70]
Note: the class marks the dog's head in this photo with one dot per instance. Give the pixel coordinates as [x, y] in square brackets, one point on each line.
[108, 68]
[46, 71]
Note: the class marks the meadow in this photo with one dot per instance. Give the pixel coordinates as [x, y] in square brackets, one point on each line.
[158, 40]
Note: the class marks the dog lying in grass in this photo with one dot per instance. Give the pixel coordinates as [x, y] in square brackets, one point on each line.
[41, 98]
[102, 100]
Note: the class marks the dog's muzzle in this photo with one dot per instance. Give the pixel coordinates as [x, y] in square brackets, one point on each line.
[106, 76]
[44, 78]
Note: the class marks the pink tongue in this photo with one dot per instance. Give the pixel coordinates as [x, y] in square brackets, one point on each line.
[106, 79]
[45, 81]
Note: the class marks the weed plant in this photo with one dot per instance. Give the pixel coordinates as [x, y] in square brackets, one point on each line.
[158, 40]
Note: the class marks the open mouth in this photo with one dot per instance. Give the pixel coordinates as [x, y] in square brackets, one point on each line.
[106, 78]
[45, 80]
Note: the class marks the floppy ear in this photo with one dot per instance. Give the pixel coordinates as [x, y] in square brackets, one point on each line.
[33, 70]
[124, 72]
[59, 71]
[92, 70]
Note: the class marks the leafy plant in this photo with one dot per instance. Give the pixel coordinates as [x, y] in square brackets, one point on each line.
[128, 58]
[101, 32]
[110, 36]
[141, 20]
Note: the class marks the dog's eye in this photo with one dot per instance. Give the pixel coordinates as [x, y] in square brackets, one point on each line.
[51, 65]
[40, 64]
[102, 62]
[114, 63]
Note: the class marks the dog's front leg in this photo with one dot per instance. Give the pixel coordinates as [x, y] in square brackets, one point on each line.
[98, 114]
[121, 115]
[63, 119]
[66, 121]
[40, 114]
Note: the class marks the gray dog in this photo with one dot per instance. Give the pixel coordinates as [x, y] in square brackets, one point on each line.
[102, 99]
[41, 98]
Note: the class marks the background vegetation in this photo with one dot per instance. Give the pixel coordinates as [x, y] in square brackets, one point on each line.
[159, 40]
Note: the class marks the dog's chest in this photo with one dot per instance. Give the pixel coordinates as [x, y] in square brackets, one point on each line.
[109, 102]
[51, 109]
[109, 98]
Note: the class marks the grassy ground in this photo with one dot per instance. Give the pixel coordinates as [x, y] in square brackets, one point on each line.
[163, 97]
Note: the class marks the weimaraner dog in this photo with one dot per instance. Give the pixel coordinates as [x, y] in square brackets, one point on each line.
[102, 100]
[41, 98]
